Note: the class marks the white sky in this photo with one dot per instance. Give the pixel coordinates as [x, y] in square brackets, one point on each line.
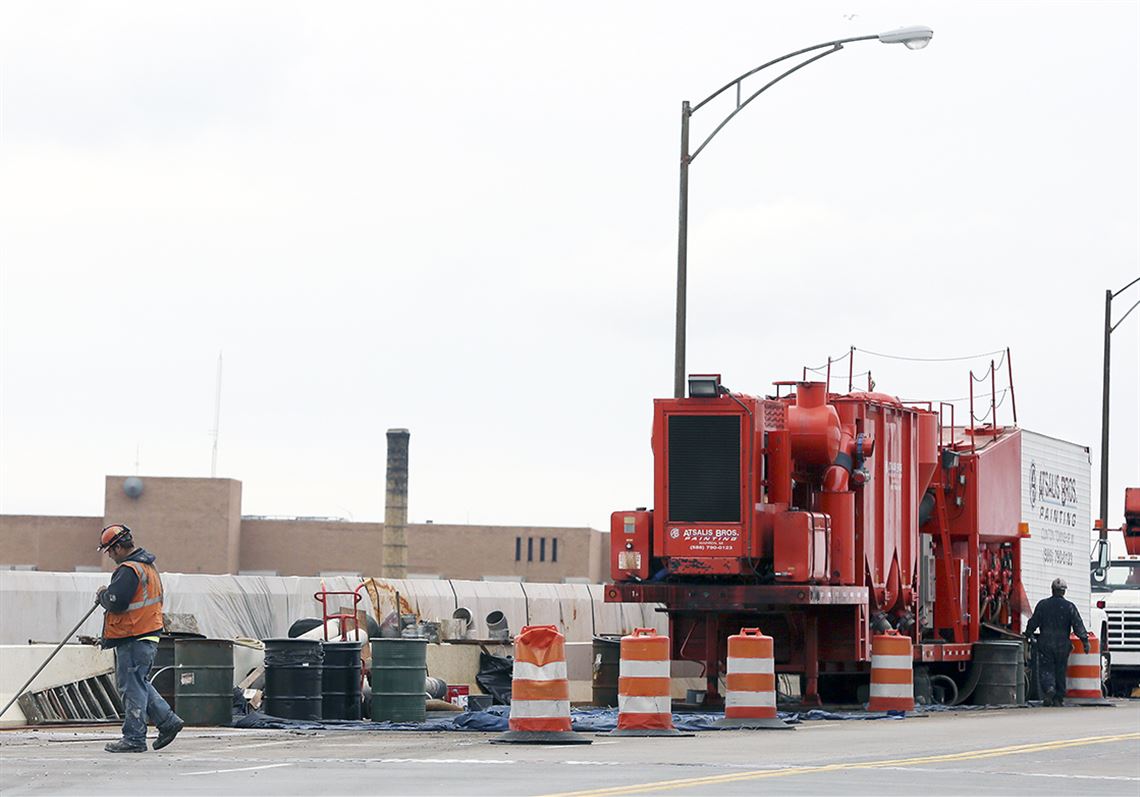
[460, 218]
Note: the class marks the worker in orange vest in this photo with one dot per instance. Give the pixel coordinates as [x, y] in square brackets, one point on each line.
[131, 626]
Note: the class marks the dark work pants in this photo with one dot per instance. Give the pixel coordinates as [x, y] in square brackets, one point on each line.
[1052, 662]
[140, 700]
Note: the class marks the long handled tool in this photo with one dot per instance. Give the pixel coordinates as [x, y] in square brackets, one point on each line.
[70, 634]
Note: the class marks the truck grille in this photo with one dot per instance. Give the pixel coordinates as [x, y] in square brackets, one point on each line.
[1123, 629]
[704, 468]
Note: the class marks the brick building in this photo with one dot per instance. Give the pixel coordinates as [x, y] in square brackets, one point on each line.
[196, 526]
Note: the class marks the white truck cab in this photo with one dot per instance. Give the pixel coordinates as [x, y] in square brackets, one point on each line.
[1115, 583]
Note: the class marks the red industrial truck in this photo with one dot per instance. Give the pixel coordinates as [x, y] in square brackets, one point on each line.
[824, 518]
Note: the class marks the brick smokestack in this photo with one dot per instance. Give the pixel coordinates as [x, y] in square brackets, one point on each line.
[394, 542]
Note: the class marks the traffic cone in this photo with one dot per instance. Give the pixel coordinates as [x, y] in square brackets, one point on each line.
[750, 700]
[892, 673]
[645, 706]
[1082, 675]
[540, 692]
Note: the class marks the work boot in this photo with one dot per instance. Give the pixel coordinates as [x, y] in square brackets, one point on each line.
[166, 736]
[123, 746]
[1048, 701]
[1058, 701]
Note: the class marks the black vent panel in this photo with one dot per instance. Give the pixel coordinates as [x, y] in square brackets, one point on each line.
[704, 468]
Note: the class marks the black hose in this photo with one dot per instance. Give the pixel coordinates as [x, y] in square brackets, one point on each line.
[971, 684]
[953, 687]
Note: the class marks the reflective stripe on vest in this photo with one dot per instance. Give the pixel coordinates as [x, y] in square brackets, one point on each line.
[144, 584]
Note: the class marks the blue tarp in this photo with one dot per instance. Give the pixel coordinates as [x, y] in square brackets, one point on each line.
[585, 720]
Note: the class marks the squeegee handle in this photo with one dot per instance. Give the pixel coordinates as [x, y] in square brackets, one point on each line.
[70, 634]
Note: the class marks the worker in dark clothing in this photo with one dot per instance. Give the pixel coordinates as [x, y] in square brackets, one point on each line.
[1056, 618]
[131, 625]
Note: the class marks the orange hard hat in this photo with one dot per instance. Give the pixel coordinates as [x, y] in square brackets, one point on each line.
[112, 535]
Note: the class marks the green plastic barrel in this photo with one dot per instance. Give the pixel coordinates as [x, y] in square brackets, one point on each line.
[204, 681]
[399, 667]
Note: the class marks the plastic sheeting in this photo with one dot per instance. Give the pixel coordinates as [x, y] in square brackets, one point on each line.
[44, 606]
[495, 719]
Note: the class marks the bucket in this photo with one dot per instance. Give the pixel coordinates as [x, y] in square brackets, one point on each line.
[340, 681]
[479, 702]
[204, 681]
[450, 629]
[607, 659]
[293, 679]
[497, 627]
[1002, 678]
[399, 672]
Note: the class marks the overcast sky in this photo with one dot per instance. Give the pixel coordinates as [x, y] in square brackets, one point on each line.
[460, 218]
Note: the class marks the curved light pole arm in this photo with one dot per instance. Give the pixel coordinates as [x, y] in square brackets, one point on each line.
[833, 47]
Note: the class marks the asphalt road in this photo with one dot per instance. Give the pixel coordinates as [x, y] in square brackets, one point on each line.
[1017, 751]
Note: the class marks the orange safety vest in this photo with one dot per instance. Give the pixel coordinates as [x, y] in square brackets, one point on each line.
[144, 613]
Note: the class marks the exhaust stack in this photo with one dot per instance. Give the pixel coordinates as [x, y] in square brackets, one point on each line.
[393, 540]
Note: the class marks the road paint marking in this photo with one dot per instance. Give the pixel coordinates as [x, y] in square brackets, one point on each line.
[248, 746]
[239, 769]
[1015, 774]
[439, 761]
[967, 755]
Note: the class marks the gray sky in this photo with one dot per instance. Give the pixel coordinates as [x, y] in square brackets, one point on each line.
[460, 218]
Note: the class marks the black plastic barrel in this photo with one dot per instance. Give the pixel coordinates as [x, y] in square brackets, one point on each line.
[204, 681]
[399, 668]
[1002, 678]
[607, 660]
[293, 675]
[162, 671]
[340, 681]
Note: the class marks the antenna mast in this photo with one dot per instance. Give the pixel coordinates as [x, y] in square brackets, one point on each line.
[217, 419]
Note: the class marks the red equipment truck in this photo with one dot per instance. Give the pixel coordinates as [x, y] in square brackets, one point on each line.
[824, 518]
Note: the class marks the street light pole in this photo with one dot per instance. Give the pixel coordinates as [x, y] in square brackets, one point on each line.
[1109, 328]
[914, 38]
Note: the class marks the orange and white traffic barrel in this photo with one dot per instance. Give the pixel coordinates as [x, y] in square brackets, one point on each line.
[892, 673]
[1082, 675]
[540, 691]
[645, 703]
[750, 685]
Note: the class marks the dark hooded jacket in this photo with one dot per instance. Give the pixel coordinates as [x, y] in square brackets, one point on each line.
[1057, 617]
[122, 588]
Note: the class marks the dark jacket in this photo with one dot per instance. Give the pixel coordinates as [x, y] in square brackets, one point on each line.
[1057, 617]
[122, 588]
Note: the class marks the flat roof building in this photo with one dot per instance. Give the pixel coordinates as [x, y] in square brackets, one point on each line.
[195, 525]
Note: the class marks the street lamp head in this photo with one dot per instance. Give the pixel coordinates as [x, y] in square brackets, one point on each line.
[915, 38]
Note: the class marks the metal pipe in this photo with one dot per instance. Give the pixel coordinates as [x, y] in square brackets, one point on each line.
[682, 257]
[850, 368]
[993, 395]
[1104, 417]
[1012, 396]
